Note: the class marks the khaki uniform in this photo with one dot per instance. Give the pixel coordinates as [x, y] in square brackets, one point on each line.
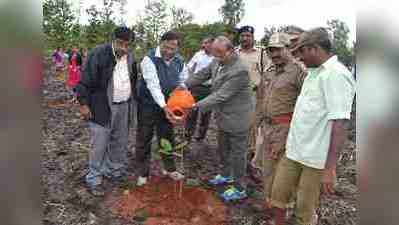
[252, 61]
[280, 88]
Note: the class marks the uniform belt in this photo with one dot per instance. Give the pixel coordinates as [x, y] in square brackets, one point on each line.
[280, 119]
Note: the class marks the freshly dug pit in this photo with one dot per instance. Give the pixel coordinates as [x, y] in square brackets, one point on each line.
[158, 203]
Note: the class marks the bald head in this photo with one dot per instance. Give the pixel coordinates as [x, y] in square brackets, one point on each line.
[222, 48]
[224, 42]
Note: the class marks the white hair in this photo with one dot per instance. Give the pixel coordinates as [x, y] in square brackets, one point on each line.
[225, 41]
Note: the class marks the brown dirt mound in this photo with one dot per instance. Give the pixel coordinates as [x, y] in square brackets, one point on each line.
[159, 202]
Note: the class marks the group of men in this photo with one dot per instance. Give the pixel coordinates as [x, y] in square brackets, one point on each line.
[295, 96]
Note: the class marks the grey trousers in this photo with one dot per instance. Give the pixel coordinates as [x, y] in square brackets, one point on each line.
[233, 152]
[109, 146]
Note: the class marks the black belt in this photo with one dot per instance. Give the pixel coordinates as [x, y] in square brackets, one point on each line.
[122, 102]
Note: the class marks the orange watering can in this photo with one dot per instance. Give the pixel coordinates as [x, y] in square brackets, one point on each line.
[179, 101]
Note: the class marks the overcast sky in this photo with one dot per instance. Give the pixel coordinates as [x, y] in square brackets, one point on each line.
[258, 13]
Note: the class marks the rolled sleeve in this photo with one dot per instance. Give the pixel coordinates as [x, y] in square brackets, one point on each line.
[151, 79]
[339, 92]
[183, 76]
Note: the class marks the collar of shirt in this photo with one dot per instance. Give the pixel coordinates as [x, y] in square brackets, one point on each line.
[113, 51]
[286, 67]
[241, 50]
[202, 55]
[158, 54]
[330, 62]
[117, 59]
[202, 52]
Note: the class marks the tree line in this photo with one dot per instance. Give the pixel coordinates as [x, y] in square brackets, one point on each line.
[63, 27]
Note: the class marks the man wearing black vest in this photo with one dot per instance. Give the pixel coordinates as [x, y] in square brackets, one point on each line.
[163, 70]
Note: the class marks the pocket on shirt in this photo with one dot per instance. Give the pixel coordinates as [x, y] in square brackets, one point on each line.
[314, 102]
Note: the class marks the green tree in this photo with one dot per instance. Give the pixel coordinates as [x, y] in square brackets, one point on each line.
[155, 20]
[232, 12]
[180, 17]
[289, 29]
[141, 45]
[101, 23]
[194, 33]
[122, 11]
[93, 30]
[107, 18]
[340, 32]
[58, 20]
[268, 31]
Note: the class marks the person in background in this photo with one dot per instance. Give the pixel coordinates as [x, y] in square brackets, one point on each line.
[74, 68]
[200, 60]
[251, 57]
[58, 61]
[294, 32]
[317, 131]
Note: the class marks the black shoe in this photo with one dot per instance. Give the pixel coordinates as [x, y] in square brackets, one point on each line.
[97, 191]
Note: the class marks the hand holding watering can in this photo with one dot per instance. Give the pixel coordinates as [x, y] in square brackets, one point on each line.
[179, 105]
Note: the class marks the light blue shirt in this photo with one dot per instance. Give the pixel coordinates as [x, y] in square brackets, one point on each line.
[327, 94]
[199, 61]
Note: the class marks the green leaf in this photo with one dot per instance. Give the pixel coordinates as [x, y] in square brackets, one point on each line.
[181, 145]
[165, 147]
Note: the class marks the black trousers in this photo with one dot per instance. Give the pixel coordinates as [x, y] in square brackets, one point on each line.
[191, 124]
[149, 118]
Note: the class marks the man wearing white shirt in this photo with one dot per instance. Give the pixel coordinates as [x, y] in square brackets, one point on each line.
[163, 70]
[317, 130]
[200, 60]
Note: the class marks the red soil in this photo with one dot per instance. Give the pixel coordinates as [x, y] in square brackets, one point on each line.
[159, 202]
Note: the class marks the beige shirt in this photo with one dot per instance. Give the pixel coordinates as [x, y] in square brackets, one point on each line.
[252, 61]
[280, 88]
